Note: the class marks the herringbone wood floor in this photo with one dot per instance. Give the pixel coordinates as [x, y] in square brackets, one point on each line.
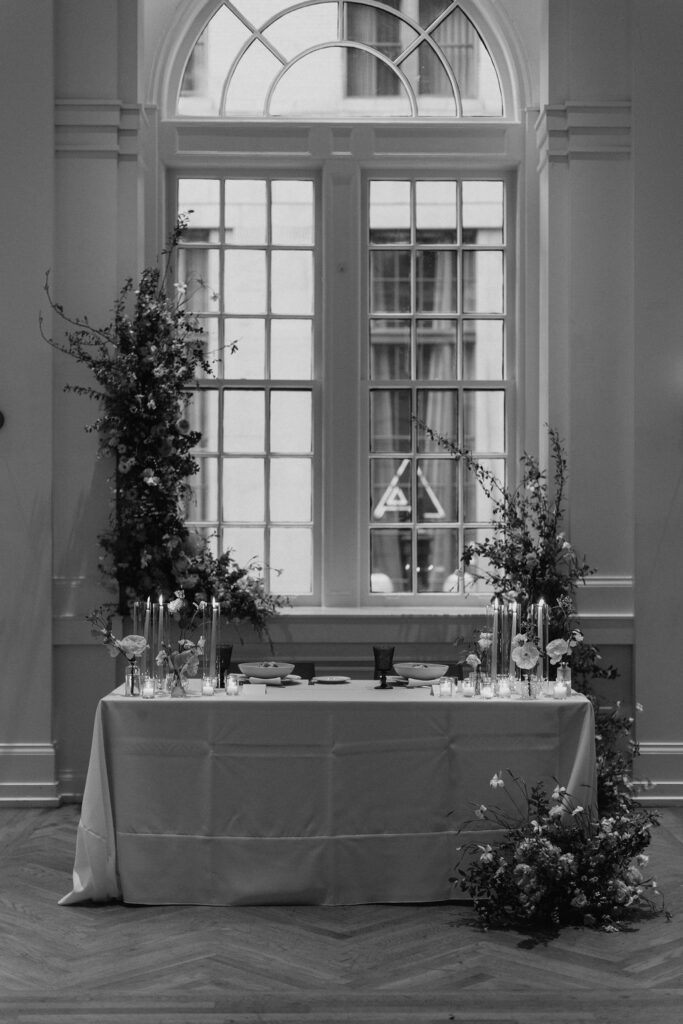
[289, 965]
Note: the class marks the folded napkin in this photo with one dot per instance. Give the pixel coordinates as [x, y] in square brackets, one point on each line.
[275, 681]
[257, 688]
[419, 682]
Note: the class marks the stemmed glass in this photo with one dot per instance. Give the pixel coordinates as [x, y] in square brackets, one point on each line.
[384, 660]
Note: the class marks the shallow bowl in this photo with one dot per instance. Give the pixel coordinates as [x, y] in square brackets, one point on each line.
[266, 669]
[420, 670]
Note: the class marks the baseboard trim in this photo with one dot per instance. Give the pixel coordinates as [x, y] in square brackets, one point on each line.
[661, 763]
[27, 775]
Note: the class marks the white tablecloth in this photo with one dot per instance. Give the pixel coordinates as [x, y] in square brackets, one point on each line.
[318, 795]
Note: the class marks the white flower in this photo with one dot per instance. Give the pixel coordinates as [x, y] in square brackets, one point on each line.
[526, 656]
[577, 810]
[487, 854]
[473, 660]
[496, 781]
[132, 645]
[481, 811]
[556, 650]
[555, 812]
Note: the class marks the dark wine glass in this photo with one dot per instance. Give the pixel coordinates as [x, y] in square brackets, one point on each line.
[384, 661]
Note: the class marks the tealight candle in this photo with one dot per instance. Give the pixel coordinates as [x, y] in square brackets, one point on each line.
[468, 689]
[487, 692]
[207, 688]
[232, 686]
[148, 690]
[503, 688]
[559, 691]
[445, 688]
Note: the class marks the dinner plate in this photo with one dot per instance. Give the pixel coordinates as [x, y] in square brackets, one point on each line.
[285, 681]
[331, 680]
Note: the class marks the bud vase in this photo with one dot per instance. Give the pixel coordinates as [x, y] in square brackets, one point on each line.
[132, 680]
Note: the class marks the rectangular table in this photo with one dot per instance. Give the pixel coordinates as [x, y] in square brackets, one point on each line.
[330, 795]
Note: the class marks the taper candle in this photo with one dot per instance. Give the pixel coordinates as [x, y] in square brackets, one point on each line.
[513, 634]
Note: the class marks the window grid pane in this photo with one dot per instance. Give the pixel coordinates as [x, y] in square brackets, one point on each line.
[448, 261]
[261, 299]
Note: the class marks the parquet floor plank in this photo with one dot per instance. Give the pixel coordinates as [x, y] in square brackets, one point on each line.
[313, 965]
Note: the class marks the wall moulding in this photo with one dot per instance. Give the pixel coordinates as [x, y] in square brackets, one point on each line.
[584, 131]
[102, 127]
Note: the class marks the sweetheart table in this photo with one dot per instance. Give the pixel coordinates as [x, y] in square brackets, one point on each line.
[325, 794]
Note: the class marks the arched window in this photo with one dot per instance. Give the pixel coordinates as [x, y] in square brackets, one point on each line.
[332, 58]
[357, 252]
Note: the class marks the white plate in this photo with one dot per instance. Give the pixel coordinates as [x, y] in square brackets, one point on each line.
[331, 679]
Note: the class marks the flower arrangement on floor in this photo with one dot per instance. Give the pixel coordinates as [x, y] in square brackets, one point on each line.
[145, 362]
[557, 863]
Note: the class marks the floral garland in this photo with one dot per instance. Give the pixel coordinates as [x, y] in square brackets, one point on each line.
[145, 362]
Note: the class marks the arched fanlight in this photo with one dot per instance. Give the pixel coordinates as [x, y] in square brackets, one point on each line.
[340, 59]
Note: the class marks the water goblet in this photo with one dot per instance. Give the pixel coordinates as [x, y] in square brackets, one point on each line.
[384, 660]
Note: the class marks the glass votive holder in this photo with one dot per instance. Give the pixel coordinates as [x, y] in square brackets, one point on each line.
[147, 691]
[503, 687]
[208, 686]
[560, 691]
[467, 688]
[487, 691]
[445, 687]
[232, 685]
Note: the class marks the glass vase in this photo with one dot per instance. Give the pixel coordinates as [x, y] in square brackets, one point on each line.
[564, 675]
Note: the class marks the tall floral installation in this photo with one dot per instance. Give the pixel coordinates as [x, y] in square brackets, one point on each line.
[530, 566]
[144, 363]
